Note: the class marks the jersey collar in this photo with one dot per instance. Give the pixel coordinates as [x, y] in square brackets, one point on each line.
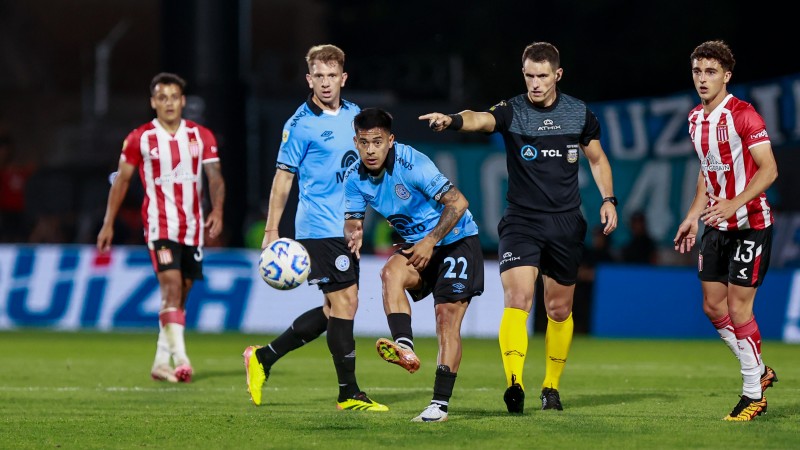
[316, 109]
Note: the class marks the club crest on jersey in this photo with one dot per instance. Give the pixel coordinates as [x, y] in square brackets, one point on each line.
[722, 132]
[402, 192]
[194, 148]
[285, 136]
[529, 152]
[572, 155]
[342, 262]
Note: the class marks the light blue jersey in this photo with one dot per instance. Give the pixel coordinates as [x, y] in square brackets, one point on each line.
[406, 194]
[318, 148]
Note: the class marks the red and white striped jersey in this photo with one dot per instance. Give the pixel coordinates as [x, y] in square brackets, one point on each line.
[170, 170]
[723, 140]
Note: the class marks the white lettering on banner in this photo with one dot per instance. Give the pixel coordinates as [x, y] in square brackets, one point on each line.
[70, 288]
[494, 175]
[616, 136]
[791, 328]
[673, 140]
[767, 100]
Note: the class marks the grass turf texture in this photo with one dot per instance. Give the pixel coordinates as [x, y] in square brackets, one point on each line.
[93, 390]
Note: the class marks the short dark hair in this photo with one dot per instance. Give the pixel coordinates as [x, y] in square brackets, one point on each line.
[542, 51]
[167, 78]
[718, 50]
[370, 118]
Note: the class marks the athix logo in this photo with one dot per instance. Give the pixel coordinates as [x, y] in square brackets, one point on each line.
[712, 164]
[327, 135]
[549, 125]
[508, 257]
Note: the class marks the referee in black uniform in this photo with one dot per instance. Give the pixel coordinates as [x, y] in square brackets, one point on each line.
[543, 228]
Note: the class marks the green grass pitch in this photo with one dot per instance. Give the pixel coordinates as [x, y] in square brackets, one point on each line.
[93, 391]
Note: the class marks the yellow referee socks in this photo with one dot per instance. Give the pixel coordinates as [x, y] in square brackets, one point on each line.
[557, 341]
[513, 338]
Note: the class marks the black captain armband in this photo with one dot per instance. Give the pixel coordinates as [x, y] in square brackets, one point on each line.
[457, 122]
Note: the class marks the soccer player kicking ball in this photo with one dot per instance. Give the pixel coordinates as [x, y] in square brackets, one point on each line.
[736, 169]
[441, 254]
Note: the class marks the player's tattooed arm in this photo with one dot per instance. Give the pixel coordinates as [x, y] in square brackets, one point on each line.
[455, 205]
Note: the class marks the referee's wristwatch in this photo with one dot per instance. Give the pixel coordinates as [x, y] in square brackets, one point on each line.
[612, 200]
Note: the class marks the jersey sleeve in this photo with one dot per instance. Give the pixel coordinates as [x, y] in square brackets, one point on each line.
[355, 206]
[591, 129]
[751, 127]
[131, 150]
[294, 144]
[210, 150]
[503, 114]
[427, 178]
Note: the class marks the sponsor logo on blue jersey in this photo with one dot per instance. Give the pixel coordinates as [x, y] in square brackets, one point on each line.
[404, 226]
[347, 160]
[327, 135]
[297, 118]
[407, 165]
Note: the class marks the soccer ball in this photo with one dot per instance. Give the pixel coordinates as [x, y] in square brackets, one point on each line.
[284, 264]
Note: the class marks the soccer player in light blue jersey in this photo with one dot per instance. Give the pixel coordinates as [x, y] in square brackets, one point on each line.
[317, 147]
[441, 254]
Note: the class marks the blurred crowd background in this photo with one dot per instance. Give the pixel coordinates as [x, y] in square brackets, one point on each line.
[74, 81]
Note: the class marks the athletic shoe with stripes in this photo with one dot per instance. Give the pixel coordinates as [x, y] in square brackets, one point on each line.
[399, 354]
[747, 409]
[360, 402]
[768, 377]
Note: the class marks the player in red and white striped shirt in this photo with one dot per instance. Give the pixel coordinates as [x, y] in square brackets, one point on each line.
[170, 152]
[737, 167]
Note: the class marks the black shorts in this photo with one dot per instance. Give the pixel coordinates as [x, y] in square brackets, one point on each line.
[454, 273]
[552, 242]
[739, 257]
[333, 267]
[167, 255]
